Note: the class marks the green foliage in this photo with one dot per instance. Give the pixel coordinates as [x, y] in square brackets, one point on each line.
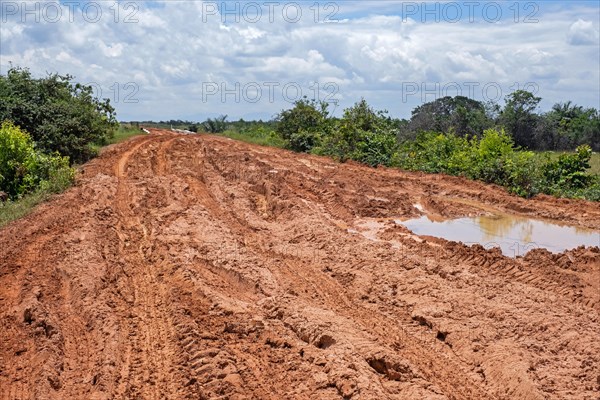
[434, 152]
[304, 125]
[522, 169]
[23, 169]
[555, 155]
[489, 156]
[495, 159]
[17, 155]
[60, 180]
[591, 192]
[60, 115]
[565, 127]
[375, 148]
[214, 125]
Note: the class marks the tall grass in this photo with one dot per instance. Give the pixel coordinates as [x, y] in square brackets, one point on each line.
[263, 137]
[11, 210]
[125, 132]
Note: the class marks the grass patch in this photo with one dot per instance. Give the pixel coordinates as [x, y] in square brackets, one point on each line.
[125, 132]
[11, 210]
[261, 137]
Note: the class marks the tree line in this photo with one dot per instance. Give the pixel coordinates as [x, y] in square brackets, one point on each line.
[563, 128]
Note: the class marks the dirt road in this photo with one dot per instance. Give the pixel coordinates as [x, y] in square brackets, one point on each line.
[197, 267]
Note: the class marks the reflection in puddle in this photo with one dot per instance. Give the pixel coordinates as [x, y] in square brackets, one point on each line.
[514, 235]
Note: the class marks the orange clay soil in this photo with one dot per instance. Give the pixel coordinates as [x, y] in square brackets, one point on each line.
[198, 267]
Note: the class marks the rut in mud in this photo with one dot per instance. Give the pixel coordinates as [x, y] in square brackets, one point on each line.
[200, 267]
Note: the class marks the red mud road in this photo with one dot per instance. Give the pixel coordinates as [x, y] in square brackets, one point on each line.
[197, 267]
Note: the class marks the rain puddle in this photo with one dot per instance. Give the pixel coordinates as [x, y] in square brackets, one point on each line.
[514, 235]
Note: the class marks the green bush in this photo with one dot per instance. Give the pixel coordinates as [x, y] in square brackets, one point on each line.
[435, 152]
[521, 173]
[23, 169]
[304, 125]
[363, 135]
[375, 148]
[592, 192]
[495, 159]
[568, 173]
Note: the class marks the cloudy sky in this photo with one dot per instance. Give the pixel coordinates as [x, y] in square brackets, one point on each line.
[193, 59]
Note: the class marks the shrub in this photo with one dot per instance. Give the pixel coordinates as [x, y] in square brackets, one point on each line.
[492, 159]
[376, 148]
[490, 155]
[568, 172]
[304, 125]
[363, 135]
[24, 169]
[435, 152]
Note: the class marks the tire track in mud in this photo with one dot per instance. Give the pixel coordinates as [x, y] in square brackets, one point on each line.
[400, 338]
[190, 358]
[147, 359]
[22, 381]
[550, 277]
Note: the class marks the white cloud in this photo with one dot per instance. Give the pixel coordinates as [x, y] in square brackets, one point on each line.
[583, 33]
[111, 50]
[174, 48]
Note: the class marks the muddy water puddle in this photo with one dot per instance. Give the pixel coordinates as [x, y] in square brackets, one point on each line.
[515, 235]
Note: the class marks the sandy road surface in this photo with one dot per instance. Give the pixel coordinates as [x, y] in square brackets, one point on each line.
[197, 267]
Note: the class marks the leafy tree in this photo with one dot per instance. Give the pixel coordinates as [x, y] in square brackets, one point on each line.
[61, 115]
[304, 125]
[466, 117]
[519, 117]
[567, 126]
